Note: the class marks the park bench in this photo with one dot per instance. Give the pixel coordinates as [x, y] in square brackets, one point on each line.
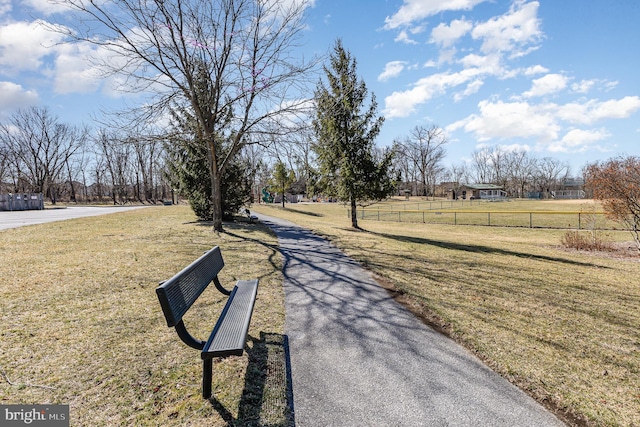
[229, 334]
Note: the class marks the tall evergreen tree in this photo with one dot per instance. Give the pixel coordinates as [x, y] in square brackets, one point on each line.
[346, 129]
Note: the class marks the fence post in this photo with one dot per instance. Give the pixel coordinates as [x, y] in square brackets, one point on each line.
[579, 220]
[455, 218]
[530, 219]
[399, 220]
[423, 217]
[488, 218]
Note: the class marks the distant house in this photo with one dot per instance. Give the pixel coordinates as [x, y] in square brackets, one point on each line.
[445, 188]
[479, 191]
[571, 188]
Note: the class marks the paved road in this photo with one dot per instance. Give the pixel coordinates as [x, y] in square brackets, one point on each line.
[21, 218]
[358, 358]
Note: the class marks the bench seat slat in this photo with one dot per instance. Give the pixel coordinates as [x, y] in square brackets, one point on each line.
[230, 332]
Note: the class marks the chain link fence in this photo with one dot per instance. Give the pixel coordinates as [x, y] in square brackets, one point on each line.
[528, 219]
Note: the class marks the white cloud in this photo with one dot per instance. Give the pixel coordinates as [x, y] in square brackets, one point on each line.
[47, 7]
[549, 84]
[5, 7]
[510, 120]
[392, 69]
[472, 88]
[15, 96]
[545, 122]
[73, 70]
[511, 32]
[536, 69]
[446, 35]
[403, 37]
[610, 85]
[616, 108]
[592, 111]
[490, 63]
[24, 46]
[447, 56]
[416, 10]
[402, 104]
[583, 86]
[578, 140]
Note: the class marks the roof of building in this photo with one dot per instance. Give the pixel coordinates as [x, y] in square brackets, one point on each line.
[482, 186]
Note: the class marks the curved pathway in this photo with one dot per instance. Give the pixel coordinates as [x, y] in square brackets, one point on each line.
[359, 358]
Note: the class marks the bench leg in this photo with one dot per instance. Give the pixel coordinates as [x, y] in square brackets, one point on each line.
[206, 378]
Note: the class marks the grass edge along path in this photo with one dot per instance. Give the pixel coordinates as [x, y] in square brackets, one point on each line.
[563, 326]
[81, 324]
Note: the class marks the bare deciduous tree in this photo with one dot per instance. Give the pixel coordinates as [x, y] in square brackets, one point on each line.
[482, 166]
[424, 149]
[549, 173]
[242, 49]
[521, 167]
[40, 146]
[5, 157]
[117, 155]
[617, 184]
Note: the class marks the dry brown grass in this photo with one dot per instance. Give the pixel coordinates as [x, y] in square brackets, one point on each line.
[80, 317]
[564, 326]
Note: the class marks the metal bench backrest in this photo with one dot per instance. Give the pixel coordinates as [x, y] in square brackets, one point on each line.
[177, 294]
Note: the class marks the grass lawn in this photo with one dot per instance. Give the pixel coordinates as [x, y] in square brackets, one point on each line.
[81, 324]
[562, 325]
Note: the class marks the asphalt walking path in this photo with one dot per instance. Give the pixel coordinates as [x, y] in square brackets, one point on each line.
[359, 358]
[16, 219]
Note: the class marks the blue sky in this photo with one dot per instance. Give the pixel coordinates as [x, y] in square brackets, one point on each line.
[558, 78]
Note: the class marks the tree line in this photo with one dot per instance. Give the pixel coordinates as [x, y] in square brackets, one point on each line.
[420, 165]
[40, 154]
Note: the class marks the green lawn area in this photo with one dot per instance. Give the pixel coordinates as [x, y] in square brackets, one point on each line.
[81, 323]
[562, 325]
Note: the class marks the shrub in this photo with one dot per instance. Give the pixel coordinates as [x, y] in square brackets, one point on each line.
[585, 241]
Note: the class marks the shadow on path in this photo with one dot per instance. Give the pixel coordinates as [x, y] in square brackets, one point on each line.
[360, 358]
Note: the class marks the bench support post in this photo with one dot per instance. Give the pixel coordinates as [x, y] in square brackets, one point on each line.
[206, 378]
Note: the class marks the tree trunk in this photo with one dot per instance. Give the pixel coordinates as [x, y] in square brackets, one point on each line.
[216, 201]
[354, 214]
[216, 178]
[283, 187]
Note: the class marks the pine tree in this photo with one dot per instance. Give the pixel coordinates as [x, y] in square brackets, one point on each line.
[282, 179]
[346, 129]
[190, 166]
